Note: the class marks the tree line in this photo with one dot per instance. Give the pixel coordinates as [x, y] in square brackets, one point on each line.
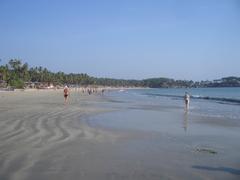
[15, 74]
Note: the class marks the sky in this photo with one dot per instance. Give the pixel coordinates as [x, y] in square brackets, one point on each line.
[130, 39]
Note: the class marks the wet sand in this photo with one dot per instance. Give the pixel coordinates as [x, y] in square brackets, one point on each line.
[95, 137]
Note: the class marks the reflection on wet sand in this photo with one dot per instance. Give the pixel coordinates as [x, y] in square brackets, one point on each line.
[185, 121]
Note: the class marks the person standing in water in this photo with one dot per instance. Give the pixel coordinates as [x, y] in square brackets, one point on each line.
[187, 101]
[65, 94]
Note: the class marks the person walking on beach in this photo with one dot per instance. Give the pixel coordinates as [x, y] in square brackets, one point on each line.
[103, 91]
[65, 94]
[187, 100]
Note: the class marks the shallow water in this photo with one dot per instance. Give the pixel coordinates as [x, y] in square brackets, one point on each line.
[217, 102]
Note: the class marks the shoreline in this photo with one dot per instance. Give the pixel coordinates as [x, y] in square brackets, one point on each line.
[41, 138]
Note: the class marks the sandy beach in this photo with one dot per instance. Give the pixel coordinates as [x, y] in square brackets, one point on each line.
[34, 123]
[99, 137]
[120, 90]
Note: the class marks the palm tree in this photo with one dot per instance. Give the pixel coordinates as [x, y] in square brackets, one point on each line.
[24, 72]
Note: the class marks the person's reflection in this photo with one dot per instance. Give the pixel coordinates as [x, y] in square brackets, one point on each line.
[185, 121]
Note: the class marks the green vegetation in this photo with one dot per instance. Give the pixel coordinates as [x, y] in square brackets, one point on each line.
[16, 74]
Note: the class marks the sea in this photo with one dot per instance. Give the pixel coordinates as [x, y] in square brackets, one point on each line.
[213, 102]
[203, 140]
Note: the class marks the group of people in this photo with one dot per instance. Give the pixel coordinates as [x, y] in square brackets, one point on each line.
[92, 90]
[66, 94]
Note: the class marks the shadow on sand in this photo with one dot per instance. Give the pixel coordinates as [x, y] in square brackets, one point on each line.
[223, 169]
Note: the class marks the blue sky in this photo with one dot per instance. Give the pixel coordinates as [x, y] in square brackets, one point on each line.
[131, 39]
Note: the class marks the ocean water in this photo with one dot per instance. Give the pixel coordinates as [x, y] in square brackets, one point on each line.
[160, 125]
[213, 102]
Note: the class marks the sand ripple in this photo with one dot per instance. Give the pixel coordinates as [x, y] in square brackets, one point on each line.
[26, 132]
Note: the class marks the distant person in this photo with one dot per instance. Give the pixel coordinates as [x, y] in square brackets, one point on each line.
[90, 91]
[66, 94]
[187, 100]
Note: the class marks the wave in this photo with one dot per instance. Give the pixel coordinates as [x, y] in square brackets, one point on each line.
[218, 99]
[229, 100]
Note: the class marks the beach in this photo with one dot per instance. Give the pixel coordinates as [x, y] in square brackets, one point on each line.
[112, 136]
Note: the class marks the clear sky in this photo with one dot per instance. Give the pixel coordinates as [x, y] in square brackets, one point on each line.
[131, 39]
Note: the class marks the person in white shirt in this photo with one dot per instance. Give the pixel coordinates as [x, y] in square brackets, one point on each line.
[187, 100]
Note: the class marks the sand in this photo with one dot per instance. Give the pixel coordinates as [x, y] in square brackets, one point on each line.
[41, 138]
[34, 123]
